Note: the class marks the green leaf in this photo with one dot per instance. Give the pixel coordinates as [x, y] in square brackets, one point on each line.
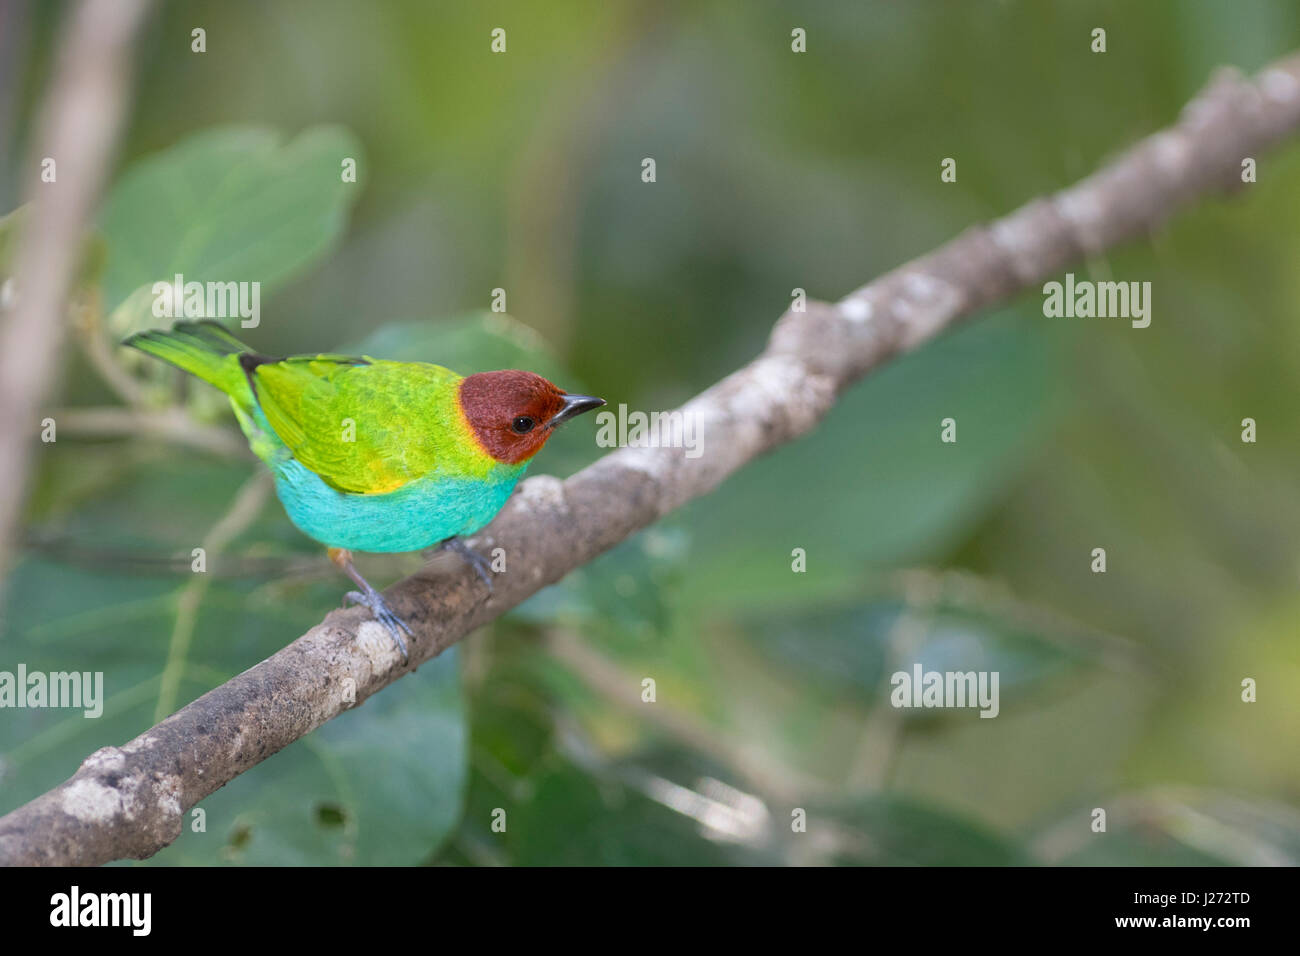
[474, 342]
[574, 820]
[911, 494]
[565, 801]
[571, 813]
[624, 595]
[848, 649]
[380, 786]
[230, 204]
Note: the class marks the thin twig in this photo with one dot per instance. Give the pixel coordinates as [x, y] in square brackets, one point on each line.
[168, 424]
[77, 130]
[241, 514]
[94, 345]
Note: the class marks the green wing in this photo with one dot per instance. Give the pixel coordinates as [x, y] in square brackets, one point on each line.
[365, 426]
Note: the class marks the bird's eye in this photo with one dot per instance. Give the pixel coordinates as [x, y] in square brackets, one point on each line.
[522, 425]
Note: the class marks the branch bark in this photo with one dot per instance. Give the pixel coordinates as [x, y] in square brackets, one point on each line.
[129, 801]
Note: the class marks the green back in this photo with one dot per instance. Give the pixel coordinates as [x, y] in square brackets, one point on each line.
[368, 426]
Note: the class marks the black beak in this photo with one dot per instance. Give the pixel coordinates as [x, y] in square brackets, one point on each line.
[574, 405]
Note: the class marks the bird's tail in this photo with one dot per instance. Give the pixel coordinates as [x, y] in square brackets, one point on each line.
[203, 349]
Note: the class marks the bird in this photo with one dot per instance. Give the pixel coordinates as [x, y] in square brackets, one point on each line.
[372, 455]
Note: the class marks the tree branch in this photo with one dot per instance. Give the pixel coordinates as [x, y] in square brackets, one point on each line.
[128, 801]
[78, 128]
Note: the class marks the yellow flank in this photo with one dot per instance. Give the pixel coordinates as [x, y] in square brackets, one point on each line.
[382, 479]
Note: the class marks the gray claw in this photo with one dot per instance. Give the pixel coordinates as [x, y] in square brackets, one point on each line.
[385, 616]
[481, 565]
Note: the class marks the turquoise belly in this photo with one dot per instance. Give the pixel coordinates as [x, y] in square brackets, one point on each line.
[416, 516]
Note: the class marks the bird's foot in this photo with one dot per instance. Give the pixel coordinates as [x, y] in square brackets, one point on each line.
[373, 600]
[481, 565]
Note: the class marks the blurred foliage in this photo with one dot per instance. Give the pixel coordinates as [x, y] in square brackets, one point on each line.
[775, 171]
[225, 202]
